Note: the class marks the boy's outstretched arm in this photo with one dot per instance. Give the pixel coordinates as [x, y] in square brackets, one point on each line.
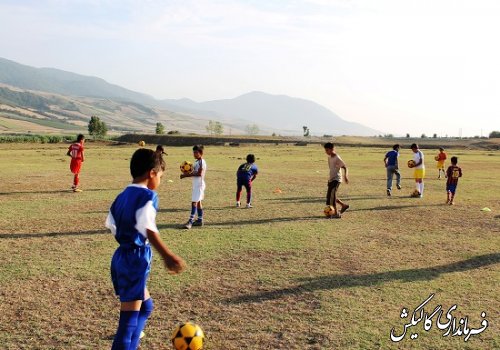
[174, 263]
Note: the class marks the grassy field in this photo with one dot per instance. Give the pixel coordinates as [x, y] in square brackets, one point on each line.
[278, 276]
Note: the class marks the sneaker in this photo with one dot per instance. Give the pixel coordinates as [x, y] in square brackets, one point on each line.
[452, 203]
[198, 223]
[398, 186]
[77, 190]
[249, 206]
[388, 192]
[344, 208]
[188, 225]
[142, 335]
[238, 204]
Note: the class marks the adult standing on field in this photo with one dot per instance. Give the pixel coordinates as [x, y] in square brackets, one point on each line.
[336, 164]
[75, 151]
[391, 166]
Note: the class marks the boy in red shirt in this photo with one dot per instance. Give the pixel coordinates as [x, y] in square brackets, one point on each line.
[440, 159]
[75, 151]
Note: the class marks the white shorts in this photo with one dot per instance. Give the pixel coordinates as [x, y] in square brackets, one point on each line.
[198, 193]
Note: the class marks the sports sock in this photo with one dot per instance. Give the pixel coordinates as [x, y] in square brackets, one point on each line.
[76, 180]
[421, 188]
[144, 313]
[126, 327]
[193, 212]
[200, 214]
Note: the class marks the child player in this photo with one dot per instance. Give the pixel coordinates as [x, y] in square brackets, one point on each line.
[440, 158]
[246, 174]
[335, 164]
[198, 194]
[418, 169]
[391, 166]
[453, 173]
[75, 151]
[131, 219]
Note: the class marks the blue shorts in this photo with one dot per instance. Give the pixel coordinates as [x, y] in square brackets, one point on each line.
[451, 188]
[130, 269]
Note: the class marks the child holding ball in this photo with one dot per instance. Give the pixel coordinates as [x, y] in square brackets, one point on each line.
[198, 194]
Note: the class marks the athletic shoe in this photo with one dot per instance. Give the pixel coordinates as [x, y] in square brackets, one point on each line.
[388, 192]
[77, 190]
[188, 225]
[198, 223]
[399, 187]
[344, 208]
[249, 206]
[142, 335]
[452, 203]
[238, 204]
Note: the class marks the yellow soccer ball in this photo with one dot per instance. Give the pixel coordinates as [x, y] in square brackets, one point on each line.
[142, 143]
[186, 167]
[411, 163]
[329, 210]
[188, 336]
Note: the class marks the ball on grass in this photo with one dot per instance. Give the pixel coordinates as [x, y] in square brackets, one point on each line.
[188, 336]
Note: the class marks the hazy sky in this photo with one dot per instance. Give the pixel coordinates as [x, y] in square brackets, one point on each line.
[426, 66]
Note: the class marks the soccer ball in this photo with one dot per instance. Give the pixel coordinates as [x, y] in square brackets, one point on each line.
[329, 210]
[186, 167]
[142, 143]
[188, 336]
[411, 163]
[436, 158]
[415, 194]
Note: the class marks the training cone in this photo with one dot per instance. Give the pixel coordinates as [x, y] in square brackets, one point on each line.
[486, 209]
[278, 190]
[170, 180]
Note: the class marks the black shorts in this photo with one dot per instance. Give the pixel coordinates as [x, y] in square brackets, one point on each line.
[331, 194]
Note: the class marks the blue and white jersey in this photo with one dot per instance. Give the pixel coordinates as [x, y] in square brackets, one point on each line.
[131, 214]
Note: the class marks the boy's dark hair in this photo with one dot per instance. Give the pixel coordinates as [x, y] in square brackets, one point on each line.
[454, 160]
[80, 137]
[441, 149]
[328, 145]
[396, 146]
[198, 148]
[144, 160]
[413, 145]
[250, 158]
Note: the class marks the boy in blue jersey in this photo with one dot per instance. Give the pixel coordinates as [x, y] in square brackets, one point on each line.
[131, 219]
[245, 175]
[391, 166]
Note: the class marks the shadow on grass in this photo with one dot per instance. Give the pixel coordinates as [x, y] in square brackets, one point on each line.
[297, 199]
[395, 207]
[346, 281]
[57, 191]
[52, 234]
[250, 222]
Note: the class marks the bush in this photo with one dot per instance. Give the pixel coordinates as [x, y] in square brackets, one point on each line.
[173, 132]
[31, 139]
[494, 134]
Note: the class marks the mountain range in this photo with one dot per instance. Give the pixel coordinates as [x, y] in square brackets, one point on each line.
[63, 100]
